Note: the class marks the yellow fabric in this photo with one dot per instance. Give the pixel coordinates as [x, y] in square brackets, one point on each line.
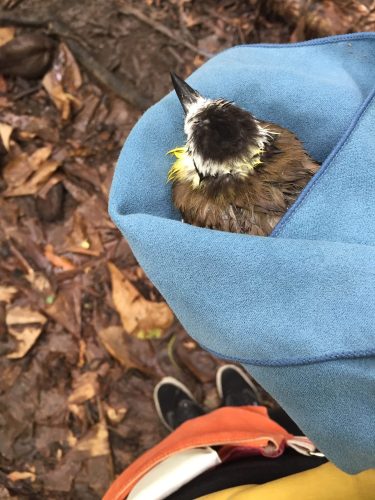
[231, 493]
[326, 482]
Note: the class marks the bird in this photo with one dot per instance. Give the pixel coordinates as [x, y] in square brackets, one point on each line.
[235, 173]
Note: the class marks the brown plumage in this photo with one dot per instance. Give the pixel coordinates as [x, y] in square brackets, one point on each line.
[253, 205]
[236, 173]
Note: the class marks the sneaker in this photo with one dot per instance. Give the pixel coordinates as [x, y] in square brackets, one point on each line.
[235, 387]
[174, 403]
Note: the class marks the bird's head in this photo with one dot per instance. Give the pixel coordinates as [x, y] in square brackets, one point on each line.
[222, 138]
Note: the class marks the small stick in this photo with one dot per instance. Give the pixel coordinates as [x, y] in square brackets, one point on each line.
[27, 92]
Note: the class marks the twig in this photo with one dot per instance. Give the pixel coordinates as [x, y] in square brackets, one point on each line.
[7, 19]
[127, 92]
[21, 259]
[11, 4]
[122, 88]
[131, 11]
[27, 92]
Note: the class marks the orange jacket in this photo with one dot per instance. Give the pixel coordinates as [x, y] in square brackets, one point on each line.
[248, 426]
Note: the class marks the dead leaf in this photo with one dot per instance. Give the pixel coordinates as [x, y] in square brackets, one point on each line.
[21, 476]
[5, 133]
[115, 415]
[83, 238]
[84, 117]
[66, 309]
[36, 181]
[25, 325]
[82, 353]
[6, 35]
[60, 479]
[38, 281]
[17, 170]
[137, 314]
[23, 316]
[114, 340]
[56, 260]
[61, 80]
[4, 493]
[26, 174]
[46, 436]
[30, 126]
[40, 156]
[200, 363]
[85, 387]
[7, 293]
[52, 409]
[3, 88]
[72, 78]
[95, 442]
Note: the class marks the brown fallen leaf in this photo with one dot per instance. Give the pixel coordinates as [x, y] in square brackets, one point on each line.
[5, 133]
[35, 181]
[61, 99]
[117, 343]
[71, 74]
[85, 387]
[39, 281]
[82, 353]
[83, 238]
[25, 325]
[95, 442]
[17, 170]
[66, 309]
[115, 415]
[52, 407]
[4, 493]
[130, 352]
[60, 479]
[40, 156]
[21, 476]
[63, 79]
[7, 293]
[92, 447]
[6, 35]
[3, 89]
[56, 260]
[30, 126]
[137, 314]
[38, 179]
[25, 174]
[202, 364]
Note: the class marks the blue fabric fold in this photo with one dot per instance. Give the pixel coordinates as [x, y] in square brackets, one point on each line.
[298, 308]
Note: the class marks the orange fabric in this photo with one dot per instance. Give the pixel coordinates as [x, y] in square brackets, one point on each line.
[247, 426]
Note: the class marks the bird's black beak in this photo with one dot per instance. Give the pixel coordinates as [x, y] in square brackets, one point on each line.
[185, 93]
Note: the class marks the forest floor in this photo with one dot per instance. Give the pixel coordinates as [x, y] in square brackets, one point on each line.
[77, 363]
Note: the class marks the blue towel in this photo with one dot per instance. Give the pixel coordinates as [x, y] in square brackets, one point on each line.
[298, 308]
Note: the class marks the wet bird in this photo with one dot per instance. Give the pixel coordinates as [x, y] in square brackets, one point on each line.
[235, 173]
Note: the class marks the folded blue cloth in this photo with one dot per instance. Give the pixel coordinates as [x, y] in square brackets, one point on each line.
[298, 308]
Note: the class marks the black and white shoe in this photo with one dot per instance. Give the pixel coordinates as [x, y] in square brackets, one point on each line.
[174, 403]
[235, 387]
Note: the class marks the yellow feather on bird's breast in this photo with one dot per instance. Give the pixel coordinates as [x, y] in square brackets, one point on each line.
[177, 171]
[184, 169]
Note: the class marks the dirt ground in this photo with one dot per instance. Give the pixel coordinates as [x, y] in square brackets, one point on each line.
[84, 335]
